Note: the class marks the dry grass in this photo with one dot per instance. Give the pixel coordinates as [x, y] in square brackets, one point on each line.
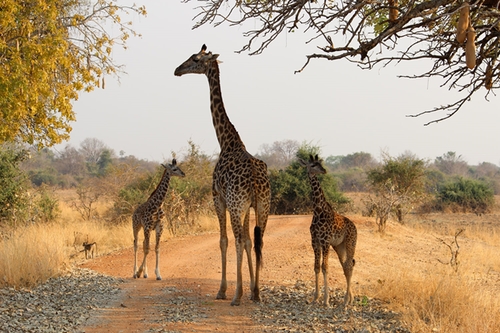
[30, 255]
[431, 295]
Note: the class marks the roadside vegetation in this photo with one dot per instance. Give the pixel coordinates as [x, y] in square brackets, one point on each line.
[51, 203]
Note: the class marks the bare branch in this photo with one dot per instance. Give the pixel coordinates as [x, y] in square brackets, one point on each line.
[424, 30]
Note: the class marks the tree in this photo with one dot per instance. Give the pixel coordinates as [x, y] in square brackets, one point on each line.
[13, 184]
[291, 190]
[280, 154]
[371, 33]
[398, 184]
[50, 50]
[451, 164]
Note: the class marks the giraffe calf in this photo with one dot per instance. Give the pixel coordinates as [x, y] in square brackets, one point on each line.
[329, 229]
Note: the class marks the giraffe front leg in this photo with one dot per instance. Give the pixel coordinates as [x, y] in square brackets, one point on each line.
[145, 247]
[248, 250]
[220, 209]
[159, 231]
[325, 277]
[317, 262]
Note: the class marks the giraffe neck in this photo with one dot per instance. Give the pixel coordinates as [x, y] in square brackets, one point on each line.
[158, 195]
[317, 194]
[228, 137]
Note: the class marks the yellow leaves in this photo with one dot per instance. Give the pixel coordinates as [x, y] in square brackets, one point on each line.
[49, 51]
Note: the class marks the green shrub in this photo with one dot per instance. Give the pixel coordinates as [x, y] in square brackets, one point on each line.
[291, 189]
[465, 195]
[13, 185]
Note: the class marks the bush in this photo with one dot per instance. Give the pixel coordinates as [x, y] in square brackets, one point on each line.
[291, 190]
[13, 185]
[465, 195]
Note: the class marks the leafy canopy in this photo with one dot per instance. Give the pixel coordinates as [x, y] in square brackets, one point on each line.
[49, 51]
[371, 32]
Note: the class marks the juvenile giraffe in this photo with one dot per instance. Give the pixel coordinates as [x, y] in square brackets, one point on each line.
[240, 181]
[149, 216]
[329, 229]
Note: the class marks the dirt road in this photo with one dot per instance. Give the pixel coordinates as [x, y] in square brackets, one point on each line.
[184, 301]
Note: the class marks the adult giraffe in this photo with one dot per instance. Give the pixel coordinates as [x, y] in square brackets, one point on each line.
[240, 181]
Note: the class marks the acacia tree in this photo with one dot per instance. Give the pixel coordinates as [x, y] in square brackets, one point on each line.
[397, 185]
[49, 51]
[378, 32]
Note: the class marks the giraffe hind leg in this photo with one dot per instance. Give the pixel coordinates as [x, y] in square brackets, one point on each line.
[136, 228]
[346, 258]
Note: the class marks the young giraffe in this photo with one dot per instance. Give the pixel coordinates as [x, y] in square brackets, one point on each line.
[240, 181]
[149, 216]
[329, 229]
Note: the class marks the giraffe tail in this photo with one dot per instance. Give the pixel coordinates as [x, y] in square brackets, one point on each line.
[257, 243]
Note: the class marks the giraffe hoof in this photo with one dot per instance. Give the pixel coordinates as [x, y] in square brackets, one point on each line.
[158, 278]
[235, 302]
[145, 276]
[221, 295]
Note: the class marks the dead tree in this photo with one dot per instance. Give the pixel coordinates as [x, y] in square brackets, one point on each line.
[454, 250]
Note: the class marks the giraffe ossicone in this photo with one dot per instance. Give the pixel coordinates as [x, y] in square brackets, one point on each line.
[329, 228]
[148, 216]
[240, 181]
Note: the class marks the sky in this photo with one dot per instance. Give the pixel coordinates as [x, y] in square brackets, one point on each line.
[150, 113]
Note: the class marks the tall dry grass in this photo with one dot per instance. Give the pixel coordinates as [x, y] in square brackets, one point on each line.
[442, 299]
[32, 254]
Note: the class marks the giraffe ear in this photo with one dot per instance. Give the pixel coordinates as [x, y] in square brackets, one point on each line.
[215, 56]
[163, 165]
[302, 162]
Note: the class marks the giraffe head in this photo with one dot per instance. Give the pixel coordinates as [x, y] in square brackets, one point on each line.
[313, 166]
[198, 63]
[173, 169]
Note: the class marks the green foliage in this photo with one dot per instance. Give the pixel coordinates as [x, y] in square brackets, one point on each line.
[196, 188]
[465, 195]
[291, 190]
[134, 194]
[397, 185]
[44, 176]
[13, 184]
[47, 206]
[451, 164]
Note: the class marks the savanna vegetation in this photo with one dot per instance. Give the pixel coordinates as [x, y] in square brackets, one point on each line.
[51, 202]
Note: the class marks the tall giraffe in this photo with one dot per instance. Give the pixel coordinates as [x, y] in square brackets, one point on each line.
[240, 181]
[149, 216]
[329, 229]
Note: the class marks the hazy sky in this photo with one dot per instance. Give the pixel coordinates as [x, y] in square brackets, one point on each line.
[334, 105]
